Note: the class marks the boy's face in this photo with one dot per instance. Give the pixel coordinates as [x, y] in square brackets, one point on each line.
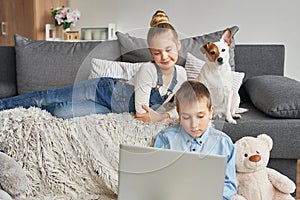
[195, 117]
[164, 49]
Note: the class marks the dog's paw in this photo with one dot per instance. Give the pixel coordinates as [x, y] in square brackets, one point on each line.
[217, 115]
[236, 116]
[230, 120]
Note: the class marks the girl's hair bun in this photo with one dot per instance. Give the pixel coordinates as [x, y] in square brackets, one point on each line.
[159, 17]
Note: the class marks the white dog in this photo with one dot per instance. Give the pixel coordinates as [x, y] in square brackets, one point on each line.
[216, 75]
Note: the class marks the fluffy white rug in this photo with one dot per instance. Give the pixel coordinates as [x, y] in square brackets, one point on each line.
[75, 158]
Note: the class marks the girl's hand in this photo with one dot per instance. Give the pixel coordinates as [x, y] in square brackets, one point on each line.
[150, 115]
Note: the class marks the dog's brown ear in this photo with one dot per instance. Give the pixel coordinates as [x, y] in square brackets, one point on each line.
[226, 36]
[204, 48]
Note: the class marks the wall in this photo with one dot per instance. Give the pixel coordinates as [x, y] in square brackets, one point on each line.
[260, 21]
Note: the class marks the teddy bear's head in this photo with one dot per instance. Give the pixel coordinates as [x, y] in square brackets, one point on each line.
[252, 154]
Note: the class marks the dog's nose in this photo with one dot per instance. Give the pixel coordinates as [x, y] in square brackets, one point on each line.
[220, 59]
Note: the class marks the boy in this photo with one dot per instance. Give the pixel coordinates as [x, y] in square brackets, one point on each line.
[195, 133]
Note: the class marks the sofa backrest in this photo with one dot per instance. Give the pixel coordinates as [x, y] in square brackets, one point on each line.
[258, 59]
[45, 65]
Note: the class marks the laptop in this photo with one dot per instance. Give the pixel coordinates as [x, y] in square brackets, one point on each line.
[147, 173]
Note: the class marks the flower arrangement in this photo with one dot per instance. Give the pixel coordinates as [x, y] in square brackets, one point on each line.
[65, 16]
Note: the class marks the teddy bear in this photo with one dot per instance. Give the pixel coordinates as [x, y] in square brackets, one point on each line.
[255, 180]
[13, 180]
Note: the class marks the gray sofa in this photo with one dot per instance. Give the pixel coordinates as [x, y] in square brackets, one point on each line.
[36, 65]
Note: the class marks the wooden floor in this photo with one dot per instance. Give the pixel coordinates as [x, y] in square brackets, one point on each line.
[298, 181]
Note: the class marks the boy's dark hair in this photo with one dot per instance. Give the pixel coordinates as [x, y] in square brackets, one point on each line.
[192, 91]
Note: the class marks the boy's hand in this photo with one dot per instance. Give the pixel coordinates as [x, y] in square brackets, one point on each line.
[150, 115]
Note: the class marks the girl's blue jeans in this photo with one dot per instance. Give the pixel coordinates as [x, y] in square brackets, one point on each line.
[99, 95]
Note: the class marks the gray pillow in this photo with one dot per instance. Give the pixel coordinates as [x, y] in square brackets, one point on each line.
[135, 49]
[44, 65]
[277, 96]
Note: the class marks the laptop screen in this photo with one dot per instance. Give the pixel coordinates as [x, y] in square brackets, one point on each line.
[147, 173]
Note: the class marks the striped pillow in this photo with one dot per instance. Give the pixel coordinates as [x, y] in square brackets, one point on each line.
[193, 66]
[115, 69]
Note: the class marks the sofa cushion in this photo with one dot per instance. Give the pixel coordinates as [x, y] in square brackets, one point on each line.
[253, 122]
[276, 96]
[135, 49]
[51, 64]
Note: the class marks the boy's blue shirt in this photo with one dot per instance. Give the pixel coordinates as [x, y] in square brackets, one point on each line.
[212, 141]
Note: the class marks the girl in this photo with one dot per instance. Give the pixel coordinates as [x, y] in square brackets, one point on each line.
[148, 94]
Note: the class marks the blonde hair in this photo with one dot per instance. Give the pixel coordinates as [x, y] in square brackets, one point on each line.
[191, 92]
[158, 17]
[160, 24]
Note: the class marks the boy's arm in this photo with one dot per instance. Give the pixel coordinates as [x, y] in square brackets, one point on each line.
[230, 186]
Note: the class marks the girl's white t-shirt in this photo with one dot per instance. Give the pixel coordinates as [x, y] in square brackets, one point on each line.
[146, 79]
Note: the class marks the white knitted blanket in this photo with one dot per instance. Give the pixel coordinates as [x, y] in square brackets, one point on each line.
[75, 158]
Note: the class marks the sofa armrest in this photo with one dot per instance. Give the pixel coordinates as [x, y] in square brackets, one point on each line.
[7, 72]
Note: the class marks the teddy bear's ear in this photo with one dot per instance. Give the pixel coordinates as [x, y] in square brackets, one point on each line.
[267, 139]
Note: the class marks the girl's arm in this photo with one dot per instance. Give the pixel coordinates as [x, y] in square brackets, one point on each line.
[144, 80]
[151, 115]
